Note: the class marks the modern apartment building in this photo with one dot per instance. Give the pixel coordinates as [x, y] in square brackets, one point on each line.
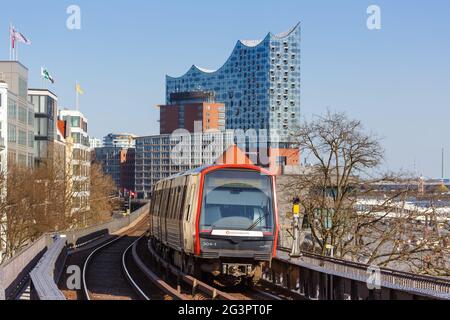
[259, 85]
[16, 125]
[3, 126]
[117, 156]
[119, 163]
[119, 140]
[45, 105]
[17, 117]
[161, 156]
[3, 157]
[76, 134]
[189, 109]
[95, 143]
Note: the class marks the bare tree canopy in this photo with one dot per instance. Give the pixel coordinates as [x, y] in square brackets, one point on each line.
[345, 210]
[40, 200]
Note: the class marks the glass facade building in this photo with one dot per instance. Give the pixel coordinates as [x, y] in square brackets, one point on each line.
[157, 157]
[45, 105]
[259, 84]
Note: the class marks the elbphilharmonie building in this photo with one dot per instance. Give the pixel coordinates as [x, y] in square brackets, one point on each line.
[259, 84]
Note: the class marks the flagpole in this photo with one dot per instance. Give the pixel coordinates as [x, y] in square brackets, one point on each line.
[77, 98]
[10, 41]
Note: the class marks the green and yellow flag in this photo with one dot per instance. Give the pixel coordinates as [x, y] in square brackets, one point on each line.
[78, 89]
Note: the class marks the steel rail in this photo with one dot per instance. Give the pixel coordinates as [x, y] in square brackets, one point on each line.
[86, 264]
[191, 281]
[155, 278]
[127, 273]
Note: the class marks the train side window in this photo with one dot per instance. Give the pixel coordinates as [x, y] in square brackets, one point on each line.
[182, 203]
[152, 203]
[169, 203]
[175, 202]
[167, 193]
[172, 201]
[163, 203]
[189, 202]
[158, 203]
[179, 202]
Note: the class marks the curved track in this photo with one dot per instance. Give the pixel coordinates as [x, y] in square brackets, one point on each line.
[106, 275]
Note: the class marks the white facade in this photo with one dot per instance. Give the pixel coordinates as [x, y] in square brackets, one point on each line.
[95, 143]
[16, 126]
[19, 113]
[120, 140]
[3, 154]
[77, 127]
[3, 126]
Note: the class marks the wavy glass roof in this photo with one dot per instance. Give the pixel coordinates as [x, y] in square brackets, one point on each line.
[247, 43]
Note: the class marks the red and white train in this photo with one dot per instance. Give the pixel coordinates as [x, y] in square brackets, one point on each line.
[219, 220]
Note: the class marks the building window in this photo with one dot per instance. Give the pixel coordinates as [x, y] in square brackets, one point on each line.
[30, 139]
[22, 138]
[30, 118]
[12, 109]
[23, 114]
[12, 133]
[75, 122]
[23, 90]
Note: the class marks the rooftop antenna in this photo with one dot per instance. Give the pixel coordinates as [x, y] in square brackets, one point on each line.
[443, 168]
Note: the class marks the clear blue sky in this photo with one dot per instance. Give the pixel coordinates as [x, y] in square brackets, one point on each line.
[396, 80]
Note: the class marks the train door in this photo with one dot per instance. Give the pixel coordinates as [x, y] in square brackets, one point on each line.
[151, 210]
[156, 213]
[162, 210]
[190, 214]
[167, 200]
[180, 210]
[171, 226]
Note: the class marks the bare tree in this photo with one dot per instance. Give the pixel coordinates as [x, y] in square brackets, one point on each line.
[42, 199]
[103, 199]
[345, 209]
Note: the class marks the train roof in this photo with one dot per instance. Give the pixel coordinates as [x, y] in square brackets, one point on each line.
[199, 170]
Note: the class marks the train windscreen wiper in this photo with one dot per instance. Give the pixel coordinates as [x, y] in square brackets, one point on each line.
[257, 221]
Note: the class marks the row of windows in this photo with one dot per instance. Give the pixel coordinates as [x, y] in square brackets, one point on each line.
[81, 170]
[169, 202]
[20, 136]
[20, 113]
[81, 155]
[76, 122]
[21, 159]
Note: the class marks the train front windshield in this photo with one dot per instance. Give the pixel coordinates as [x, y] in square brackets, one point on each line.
[237, 200]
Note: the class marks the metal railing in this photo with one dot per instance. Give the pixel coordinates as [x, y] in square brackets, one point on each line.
[430, 286]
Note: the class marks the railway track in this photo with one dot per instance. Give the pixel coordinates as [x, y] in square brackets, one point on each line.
[107, 274]
[127, 268]
[178, 284]
[186, 287]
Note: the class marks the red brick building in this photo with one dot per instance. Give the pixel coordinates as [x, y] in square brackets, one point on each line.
[191, 108]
